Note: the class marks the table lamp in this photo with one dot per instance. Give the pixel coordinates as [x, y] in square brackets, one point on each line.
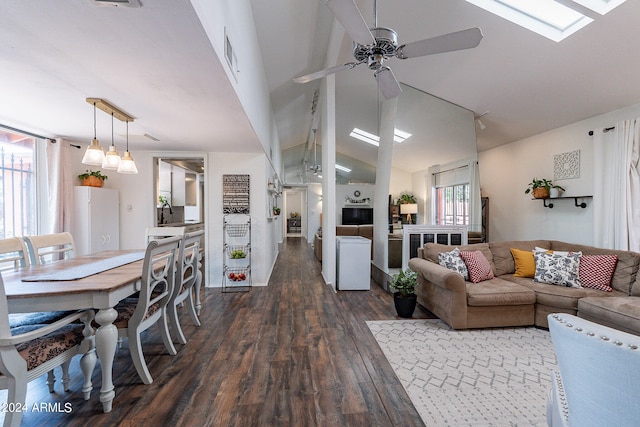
[408, 209]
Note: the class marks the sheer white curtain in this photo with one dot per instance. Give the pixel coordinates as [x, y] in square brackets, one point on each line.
[56, 186]
[616, 192]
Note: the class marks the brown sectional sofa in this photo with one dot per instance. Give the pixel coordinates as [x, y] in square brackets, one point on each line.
[516, 301]
[395, 242]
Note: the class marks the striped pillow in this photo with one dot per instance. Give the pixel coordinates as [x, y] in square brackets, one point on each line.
[596, 271]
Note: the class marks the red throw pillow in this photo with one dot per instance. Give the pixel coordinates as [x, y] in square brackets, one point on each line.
[596, 271]
[478, 266]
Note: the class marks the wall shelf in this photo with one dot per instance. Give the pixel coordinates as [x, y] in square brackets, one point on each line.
[575, 201]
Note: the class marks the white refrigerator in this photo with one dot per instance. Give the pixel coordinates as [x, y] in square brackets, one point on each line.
[96, 219]
[354, 263]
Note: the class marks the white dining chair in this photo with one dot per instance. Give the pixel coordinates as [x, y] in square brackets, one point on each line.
[13, 254]
[27, 352]
[135, 315]
[188, 279]
[50, 247]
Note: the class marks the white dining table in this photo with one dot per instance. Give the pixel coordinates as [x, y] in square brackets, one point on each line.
[100, 291]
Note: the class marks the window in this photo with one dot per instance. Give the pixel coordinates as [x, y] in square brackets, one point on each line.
[452, 205]
[17, 185]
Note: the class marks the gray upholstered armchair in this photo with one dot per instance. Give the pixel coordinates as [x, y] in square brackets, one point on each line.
[599, 374]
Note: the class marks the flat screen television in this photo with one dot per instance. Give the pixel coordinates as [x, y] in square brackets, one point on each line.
[357, 216]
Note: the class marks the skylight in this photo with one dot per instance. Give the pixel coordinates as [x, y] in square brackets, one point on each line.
[545, 17]
[600, 6]
[398, 136]
[343, 168]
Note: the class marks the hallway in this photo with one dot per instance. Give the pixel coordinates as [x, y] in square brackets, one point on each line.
[291, 354]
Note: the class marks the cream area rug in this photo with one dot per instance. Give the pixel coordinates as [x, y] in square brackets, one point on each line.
[482, 377]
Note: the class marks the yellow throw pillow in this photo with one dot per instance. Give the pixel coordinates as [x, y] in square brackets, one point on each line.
[525, 263]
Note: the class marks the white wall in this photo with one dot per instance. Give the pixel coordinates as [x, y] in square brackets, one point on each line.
[505, 172]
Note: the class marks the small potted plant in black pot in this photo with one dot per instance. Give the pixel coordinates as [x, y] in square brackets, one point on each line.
[404, 296]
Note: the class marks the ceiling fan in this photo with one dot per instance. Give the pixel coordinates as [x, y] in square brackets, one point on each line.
[374, 46]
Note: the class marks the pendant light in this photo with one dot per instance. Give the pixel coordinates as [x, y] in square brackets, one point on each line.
[127, 165]
[112, 158]
[94, 155]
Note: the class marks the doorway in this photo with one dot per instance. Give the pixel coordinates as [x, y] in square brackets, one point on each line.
[295, 209]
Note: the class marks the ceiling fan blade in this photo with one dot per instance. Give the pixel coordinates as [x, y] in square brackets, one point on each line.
[465, 39]
[323, 73]
[347, 13]
[387, 83]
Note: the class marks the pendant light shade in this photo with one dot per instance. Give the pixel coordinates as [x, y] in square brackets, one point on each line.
[127, 165]
[94, 155]
[112, 158]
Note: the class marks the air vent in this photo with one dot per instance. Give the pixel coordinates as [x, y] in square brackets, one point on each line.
[117, 3]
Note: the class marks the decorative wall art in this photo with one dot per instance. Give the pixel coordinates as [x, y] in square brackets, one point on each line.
[235, 194]
[566, 165]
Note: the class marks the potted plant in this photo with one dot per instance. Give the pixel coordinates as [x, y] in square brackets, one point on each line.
[276, 211]
[404, 296]
[406, 198]
[92, 178]
[539, 188]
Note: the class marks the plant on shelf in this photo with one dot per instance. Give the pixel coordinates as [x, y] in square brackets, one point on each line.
[404, 297]
[92, 178]
[294, 214]
[407, 198]
[540, 188]
[276, 211]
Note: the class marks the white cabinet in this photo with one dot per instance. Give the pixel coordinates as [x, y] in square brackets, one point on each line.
[353, 263]
[96, 219]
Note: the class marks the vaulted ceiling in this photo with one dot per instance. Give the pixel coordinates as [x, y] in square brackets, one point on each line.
[157, 64]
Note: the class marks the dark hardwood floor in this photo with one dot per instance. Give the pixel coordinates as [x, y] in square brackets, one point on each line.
[291, 354]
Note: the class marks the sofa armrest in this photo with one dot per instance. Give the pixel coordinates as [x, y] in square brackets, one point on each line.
[441, 291]
[438, 275]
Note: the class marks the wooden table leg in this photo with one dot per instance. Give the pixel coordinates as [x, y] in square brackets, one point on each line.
[106, 341]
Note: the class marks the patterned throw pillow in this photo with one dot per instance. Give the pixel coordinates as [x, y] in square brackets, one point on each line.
[478, 266]
[596, 271]
[558, 269]
[452, 261]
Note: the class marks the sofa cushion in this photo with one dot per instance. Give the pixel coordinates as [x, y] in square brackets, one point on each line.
[503, 259]
[525, 263]
[346, 230]
[559, 296]
[431, 251]
[453, 261]
[478, 266]
[596, 271]
[557, 269]
[620, 312]
[626, 270]
[497, 292]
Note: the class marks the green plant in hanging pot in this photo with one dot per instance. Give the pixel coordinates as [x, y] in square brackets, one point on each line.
[404, 297]
[276, 211]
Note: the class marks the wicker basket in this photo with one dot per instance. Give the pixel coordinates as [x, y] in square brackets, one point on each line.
[540, 193]
[92, 181]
